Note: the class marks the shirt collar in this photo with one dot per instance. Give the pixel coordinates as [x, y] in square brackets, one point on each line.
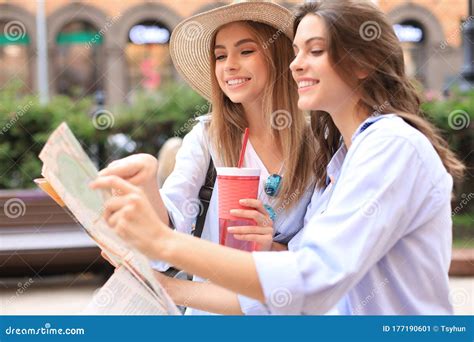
[334, 167]
[367, 122]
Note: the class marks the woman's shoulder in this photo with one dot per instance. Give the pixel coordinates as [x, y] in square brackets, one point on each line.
[394, 128]
[197, 127]
[201, 125]
[199, 137]
[402, 140]
[204, 119]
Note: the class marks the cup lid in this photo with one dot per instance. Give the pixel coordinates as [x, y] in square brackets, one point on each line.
[236, 171]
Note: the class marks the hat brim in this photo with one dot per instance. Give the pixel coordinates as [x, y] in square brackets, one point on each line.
[190, 43]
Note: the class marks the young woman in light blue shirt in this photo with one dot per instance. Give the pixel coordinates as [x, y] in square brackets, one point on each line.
[381, 232]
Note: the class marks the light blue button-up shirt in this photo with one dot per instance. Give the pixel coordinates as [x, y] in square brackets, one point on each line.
[381, 236]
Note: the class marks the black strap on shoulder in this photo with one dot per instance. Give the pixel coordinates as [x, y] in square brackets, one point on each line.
[205, 197]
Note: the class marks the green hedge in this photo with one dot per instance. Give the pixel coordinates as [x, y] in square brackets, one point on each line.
[455, 117]
[25, 126]
[149, 121]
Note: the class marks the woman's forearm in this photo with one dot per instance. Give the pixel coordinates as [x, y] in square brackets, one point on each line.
[202, 296]
[158, 204]
[227, 267]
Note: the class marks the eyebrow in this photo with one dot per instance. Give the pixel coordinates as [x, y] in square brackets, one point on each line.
[308, 41]
[240, 42]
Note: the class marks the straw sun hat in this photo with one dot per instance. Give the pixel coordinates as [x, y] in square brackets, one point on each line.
[190, 44]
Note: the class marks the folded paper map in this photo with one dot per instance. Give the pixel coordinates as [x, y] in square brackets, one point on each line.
[67, 172]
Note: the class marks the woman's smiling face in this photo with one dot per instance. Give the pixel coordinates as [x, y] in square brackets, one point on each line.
[241, 69]
[319, 85]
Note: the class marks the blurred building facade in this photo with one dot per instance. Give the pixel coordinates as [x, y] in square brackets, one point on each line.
[430, 32]
[118, 47]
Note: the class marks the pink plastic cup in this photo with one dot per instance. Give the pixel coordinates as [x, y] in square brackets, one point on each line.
[235, 184]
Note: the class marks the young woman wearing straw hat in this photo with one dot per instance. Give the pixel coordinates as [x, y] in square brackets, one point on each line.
[237, 57]
[382, 233]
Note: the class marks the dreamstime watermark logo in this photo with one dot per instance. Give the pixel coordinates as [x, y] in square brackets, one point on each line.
[371, 208]
[281, 297]
[370, 30]
[103, 297]
[458, 119]
[14, 31]
[372, 294]
[192, 30]
[14, 208]
[378, 110]
[103, 119]
[466, 198]
[199, 110]
[444, 44]
[46, 330]
[22, 287]
[98, 36]
[459, 297]
[191, 208]
[278, 33]
[281, 208]
[18, 114]
[281, 119]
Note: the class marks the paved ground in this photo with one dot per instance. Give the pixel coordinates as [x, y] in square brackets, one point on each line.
[62, 295]
[68, 295]
[462, 295]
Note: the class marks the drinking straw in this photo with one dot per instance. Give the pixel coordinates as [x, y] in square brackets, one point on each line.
[244, 146]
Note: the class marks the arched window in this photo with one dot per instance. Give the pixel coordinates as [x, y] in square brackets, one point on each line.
[14, 41]
[77, 59]
[411, 35]
[147, 56]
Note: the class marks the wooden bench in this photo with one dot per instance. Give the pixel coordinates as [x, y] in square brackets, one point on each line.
[462, 263]
[39, 237]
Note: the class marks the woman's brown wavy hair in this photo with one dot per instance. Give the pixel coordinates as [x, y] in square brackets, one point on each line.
[360, 37]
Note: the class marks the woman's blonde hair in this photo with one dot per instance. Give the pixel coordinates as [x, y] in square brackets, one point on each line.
[360, 37]
[290, 127]
[167, 158]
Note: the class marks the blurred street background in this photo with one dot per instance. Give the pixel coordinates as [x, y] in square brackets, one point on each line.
[104, 67]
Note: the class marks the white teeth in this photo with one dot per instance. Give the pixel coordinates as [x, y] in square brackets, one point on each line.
[237, 81]
[303, 84]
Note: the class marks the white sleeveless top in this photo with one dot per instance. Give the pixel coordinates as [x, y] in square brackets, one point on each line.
[181, 189]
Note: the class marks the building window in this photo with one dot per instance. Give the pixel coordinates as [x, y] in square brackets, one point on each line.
[147, 55]
[411, 35]
[14, 41]
[77, 60]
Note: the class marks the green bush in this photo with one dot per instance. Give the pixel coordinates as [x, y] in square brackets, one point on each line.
[463, 230]
[26, 125]
[455, 117]
[148, 122]
[153, 118]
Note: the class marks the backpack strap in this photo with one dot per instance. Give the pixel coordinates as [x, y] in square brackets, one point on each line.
[205, 197]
